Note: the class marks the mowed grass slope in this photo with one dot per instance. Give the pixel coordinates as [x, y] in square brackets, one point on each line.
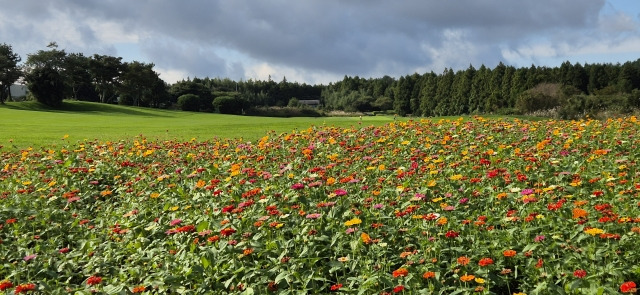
[29, 124]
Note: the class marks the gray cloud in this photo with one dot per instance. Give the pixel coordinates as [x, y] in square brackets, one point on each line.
[358, 37]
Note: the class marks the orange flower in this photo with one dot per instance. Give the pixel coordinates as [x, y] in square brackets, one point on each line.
[509, 253]
[400, 272]
[429, 274]
[485, 261]
[138, 289]
[365, 238]
[579, 213]
[467, 278]
[463, 260]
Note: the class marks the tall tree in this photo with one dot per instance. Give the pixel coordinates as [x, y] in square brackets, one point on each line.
[428, 95]
[443, 93]
[401, 102]
[9, 70]
[137, 82]
[105, 71]
[78, 78]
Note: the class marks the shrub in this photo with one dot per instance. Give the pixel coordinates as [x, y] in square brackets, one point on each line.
[189, 102]
[283, 112]
[46, 85]
[229, 105]
[543, 96]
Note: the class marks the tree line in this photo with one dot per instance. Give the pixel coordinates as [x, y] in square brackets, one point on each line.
[572, 89]
[503, 89]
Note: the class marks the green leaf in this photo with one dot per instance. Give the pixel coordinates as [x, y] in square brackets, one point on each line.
[111, 289]
[281, 276]
[202, 226]
[205, 262]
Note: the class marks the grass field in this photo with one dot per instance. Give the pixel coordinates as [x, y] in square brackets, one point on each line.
[29, 124]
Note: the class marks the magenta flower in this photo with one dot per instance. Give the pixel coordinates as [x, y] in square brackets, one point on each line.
[340, 192]
[297, 186]
[175, 222]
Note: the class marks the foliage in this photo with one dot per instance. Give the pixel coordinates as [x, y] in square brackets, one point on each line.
[229, 105]
[9, 70]
[283, 112]
[189, 102]
[46, 84]
[448, 207]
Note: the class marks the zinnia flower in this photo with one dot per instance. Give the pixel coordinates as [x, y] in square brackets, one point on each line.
[509, 253]
[398, 289]
[452, 234]
[580, 273]
[400, 272]
[429, 274]
[24, 288]
[227, 231]
[485, 261]
[463, 260]
[353, 221]
[467, 278]
[94, 280]
[138, 289]
[628, 287]
[5, 284]
[336, 287]
[30, 257]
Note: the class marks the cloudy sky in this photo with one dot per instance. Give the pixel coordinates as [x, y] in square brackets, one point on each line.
[321, 41]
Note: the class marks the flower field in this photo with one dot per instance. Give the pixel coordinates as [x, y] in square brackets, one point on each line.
[497, 206]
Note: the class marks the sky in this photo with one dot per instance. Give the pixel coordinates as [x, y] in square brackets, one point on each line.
[321, 41]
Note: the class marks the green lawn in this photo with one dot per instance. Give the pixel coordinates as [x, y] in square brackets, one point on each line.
[29, 124]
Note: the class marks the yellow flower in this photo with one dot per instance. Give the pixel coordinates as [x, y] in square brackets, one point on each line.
[456, 177]
[353, 222]
[343, 259]
[594, 231]
[479, 280]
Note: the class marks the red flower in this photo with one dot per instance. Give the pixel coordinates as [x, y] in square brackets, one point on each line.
[580, 273]
[628, 287]
[63, 250]
[24, 288]
[451, 234]
[398, 289]
[227, 231]
[540, 263]
[485, 261]
[400, 272]
[5, 284]
[336, 287]
[94, 280]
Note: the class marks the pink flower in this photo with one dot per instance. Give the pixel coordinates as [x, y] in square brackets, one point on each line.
[30, 257]
[539, 238]
[297, 186]
[340, 192]
[314, 216]
[175, 222]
